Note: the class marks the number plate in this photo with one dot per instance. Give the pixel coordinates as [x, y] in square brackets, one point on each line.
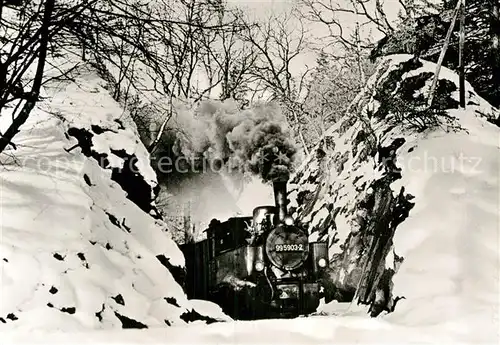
[289, 247]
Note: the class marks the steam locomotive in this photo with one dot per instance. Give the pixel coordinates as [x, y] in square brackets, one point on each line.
[257, 267]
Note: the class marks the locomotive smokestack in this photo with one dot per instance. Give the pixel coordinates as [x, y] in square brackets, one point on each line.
[280, 198]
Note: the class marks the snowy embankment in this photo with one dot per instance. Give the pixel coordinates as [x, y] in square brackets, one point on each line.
[78, 248]
[412, 214]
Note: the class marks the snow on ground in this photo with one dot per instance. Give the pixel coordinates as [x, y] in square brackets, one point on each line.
[75, 253]
[310, 330]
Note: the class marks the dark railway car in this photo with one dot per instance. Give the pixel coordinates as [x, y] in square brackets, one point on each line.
[257, 267]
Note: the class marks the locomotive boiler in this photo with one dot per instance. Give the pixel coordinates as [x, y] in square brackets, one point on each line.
[257, 267]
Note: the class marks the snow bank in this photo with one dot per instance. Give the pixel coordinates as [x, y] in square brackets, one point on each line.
[412, 212]
[78, 249]
[450, 241]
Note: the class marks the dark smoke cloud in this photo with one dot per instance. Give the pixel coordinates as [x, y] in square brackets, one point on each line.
[255, 140]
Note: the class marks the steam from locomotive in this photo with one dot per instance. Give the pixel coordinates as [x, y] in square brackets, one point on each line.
[255, 140]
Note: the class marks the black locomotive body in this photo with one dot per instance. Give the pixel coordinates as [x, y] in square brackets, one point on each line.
[257, 267]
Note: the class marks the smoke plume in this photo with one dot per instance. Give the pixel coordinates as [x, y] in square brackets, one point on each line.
[220, 134]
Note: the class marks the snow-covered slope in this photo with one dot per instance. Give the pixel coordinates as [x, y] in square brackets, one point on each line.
[412, 213]
[78, 249]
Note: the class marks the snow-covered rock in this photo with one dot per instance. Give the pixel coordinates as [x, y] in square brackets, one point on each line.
[78, 249]
[409, 198]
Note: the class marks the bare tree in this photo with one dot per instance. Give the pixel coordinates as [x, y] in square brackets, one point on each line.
[230, 57]
[169, 42]
[350, 25]
[335, 15]
[26, 35]
[278, 42]
[332, 86]
[189, 46]
[204, 46]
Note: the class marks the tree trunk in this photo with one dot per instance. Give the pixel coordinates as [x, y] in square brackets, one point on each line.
[152, 147]
[495, 26]
[37, 82]
[461, 63]
[443, 52]
[186, 217]
[495, 44]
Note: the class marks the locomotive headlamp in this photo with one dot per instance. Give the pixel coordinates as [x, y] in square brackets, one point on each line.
[288, 220]
[321, 262]
[259, 266]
